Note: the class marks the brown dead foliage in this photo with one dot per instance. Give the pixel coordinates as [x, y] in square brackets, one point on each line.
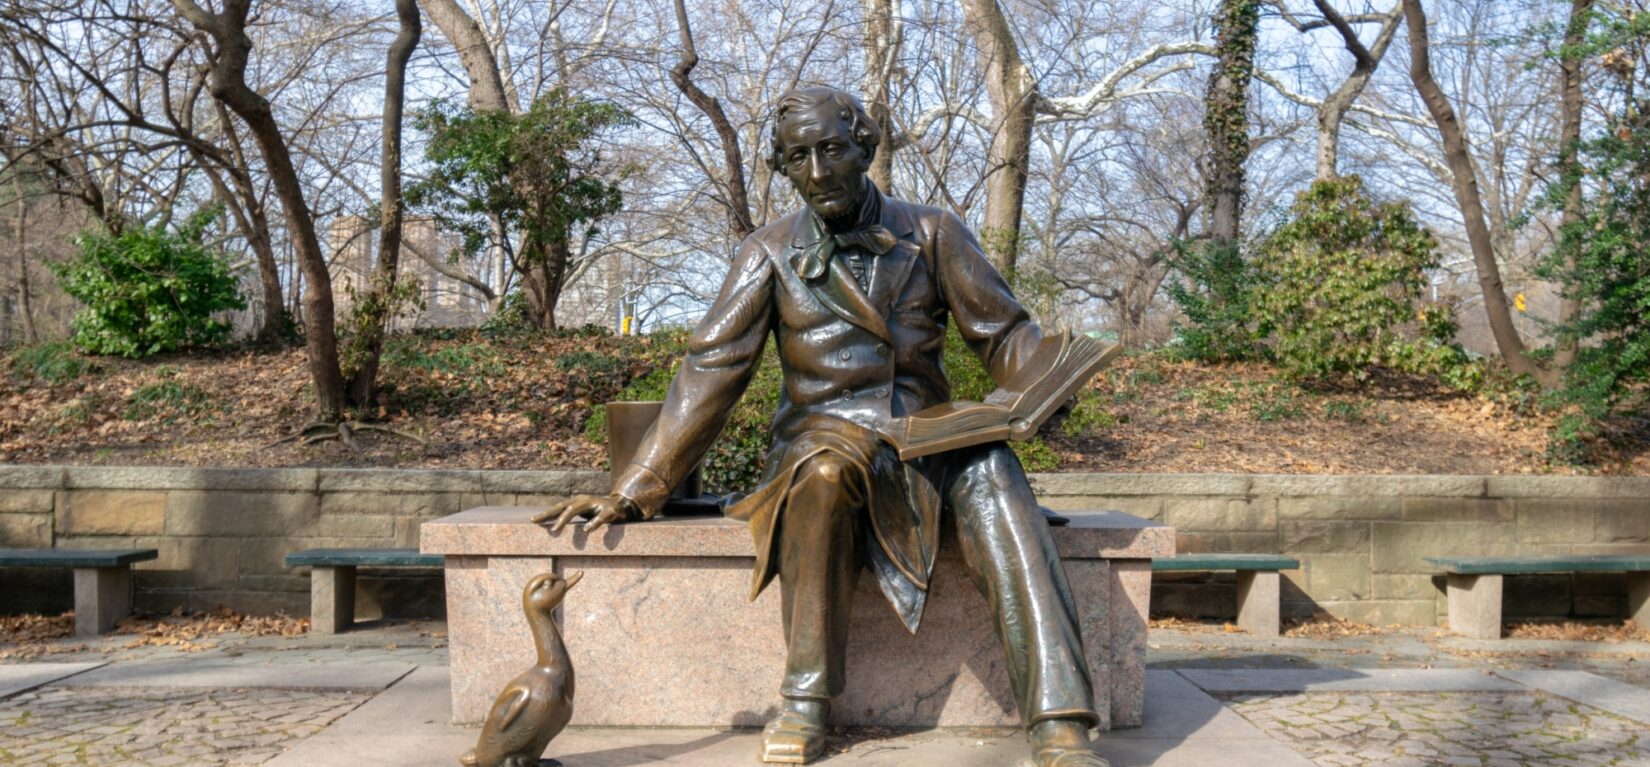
[1579, 631]
[1329, 627]
[29, 636]
[521, 402]
[183, 631]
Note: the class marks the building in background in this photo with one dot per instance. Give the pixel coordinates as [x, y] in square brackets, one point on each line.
[444, 301]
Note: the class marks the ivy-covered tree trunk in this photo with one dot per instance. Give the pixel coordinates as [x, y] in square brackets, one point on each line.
[1569, 142]
[378, 308]
[1226, 118]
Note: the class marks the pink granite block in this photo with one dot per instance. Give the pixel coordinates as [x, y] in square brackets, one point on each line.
[661, 633]
[1131, 593]
[488, 642]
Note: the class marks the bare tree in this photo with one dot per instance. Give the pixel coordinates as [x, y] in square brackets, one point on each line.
[1014, 100]
[368, 345]
[884, 36]
[1465, 186]
[231, 51]
[1364, 63]
[734, 197]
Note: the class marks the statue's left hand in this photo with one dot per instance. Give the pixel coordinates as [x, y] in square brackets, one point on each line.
[601, 510]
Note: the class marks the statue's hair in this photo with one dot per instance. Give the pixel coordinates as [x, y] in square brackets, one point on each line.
[861, 127]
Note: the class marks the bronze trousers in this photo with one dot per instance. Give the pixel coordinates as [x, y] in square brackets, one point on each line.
[1006, 549]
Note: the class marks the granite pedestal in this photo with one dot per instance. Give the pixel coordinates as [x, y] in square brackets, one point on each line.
[661, 633]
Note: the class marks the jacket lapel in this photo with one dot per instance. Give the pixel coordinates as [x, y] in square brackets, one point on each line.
[837, 289]
[891, 270]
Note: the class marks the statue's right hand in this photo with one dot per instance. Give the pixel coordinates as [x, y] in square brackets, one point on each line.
[601, 510]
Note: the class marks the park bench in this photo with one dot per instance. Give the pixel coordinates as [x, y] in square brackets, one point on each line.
[1474, 585]
[102, 581]
[332, 580]
[1258, 586]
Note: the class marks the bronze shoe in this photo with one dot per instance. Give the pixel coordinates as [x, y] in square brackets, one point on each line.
[792, 738]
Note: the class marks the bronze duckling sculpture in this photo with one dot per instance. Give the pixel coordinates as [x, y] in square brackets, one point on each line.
[535, 706]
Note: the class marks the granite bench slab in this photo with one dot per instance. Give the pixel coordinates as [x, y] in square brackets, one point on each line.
[1474, 585]
[102, 581]
[1259, 588]
[332, 580]
[663, 634]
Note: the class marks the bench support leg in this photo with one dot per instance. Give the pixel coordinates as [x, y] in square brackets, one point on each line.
[102, 596]
[331, 599]
[1475, 605]
[1638, 598]
[1258, 595]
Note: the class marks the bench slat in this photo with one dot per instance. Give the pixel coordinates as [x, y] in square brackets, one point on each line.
[363, 558]
[74, 557]
[1226, 562]
[1604, 563]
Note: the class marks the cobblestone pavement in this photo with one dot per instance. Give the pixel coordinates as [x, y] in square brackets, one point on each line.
[1477, 729]
[152, 727]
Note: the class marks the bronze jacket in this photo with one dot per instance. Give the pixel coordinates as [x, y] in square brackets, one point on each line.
[851, 359]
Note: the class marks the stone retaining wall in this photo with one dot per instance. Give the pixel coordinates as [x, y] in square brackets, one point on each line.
[222, 533]
[1362, 539]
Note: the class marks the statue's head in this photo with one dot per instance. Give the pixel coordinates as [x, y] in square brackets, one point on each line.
[823, 141]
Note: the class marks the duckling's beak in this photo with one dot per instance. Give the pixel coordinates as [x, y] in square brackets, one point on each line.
[574, 577]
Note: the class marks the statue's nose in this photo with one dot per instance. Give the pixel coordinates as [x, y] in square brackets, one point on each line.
[817, 169]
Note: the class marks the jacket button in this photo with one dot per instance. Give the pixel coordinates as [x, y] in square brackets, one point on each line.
[847, 394]
[882, 348]
[846, 355]
[882, 392]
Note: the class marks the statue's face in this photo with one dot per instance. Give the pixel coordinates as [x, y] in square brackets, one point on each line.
[822, 160]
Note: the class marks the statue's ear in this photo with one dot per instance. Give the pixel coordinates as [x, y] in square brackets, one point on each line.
[869, 153]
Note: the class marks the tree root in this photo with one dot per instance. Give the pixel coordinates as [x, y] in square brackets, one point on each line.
[316, 432]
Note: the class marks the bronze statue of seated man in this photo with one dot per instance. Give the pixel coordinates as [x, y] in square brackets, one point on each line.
[856, 289]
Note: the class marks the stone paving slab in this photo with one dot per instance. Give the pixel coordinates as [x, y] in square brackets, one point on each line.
[406, 726]
[1588, 689]
[18, 677]
[293, 676]
[1279, 681]
[161, 727]
[1484, 729]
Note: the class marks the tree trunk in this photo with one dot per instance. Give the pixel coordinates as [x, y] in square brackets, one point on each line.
[228, 84]
[736, 200]
[1013, 94]
[1569, 140]
[1365, 61]
[369, 342]
[474, 52]
[254, 225]
[1465, 185]
[881, 50]
[1226, 117]
[25, 312]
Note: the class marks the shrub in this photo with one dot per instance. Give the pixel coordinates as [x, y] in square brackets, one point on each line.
[148, 291]
[1215, 291]
[1343, 289]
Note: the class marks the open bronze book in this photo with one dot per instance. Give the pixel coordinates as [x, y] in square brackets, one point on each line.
[1061, 366]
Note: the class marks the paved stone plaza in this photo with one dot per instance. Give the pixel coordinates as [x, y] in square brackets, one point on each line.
[380, 697]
